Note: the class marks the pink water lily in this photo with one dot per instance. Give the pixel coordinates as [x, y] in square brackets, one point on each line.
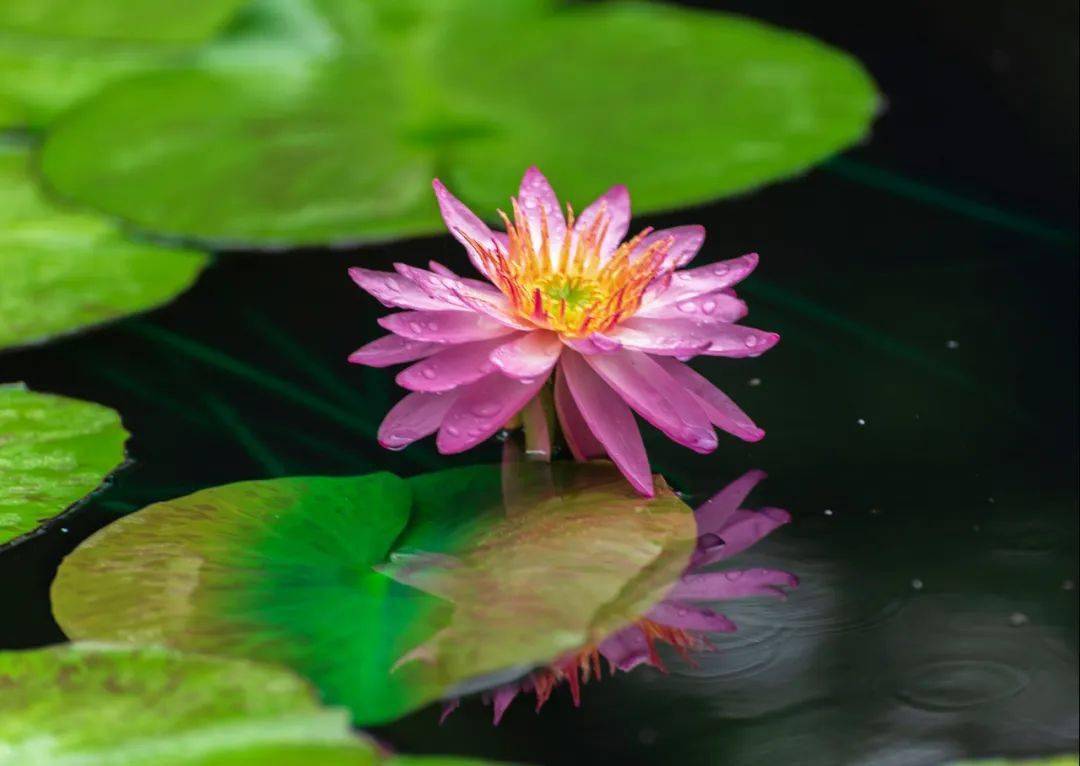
[613, 320]
[681, 620]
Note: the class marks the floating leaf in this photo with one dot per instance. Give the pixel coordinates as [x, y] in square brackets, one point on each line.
[102, 704]
[682, 105]
[63, 271]
[301, 571]
[55, 52]
[54, 451]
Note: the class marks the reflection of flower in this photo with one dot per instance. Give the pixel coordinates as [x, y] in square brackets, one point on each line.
[724, 529]
[616, 318]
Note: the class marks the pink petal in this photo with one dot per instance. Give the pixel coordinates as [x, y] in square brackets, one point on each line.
[452, 367]
[504, 695]
[714, 512]
[715, 339]
[743, 529]
[722, 412]
[464, 225]
[686, 241]
[583, 445]
[715, 586]
[392, 349]
[464, 294]
[443, 326]
[614, 207]
[592, 344]
[683, 285]
[538, 203]
[528, 356]
[643, 336]
[414, 417]
[394, 290]
[448, 707]
[719, 306]
[483, 408]
[610, 421]
[689, 617]
[657, 397]
[438, 268]
[626, 648]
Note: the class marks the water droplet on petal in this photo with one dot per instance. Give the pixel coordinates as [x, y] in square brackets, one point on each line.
[751, 341]
[687, 307]
[416, 327]
[720, 269]
[428, 372]
[709, 541]
[708, 307]
[452, 430]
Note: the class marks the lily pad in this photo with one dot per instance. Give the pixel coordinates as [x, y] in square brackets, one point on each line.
[55, 52]
[54, 451]
[106, 704]
[681, 105]
[63, 271]
[387, 593]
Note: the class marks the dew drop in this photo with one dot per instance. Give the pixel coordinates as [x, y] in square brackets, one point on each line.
[721, 269]
[687, 307]
[708, 307]
[452, 430]
[433, 326]
[428, 372]
[416, 327]
[751, 341]
[485, 410]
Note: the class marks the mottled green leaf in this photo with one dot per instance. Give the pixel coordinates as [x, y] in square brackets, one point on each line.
[494, 573]
[89, 703]
[63, 271]
[54, 451]
[681, 105]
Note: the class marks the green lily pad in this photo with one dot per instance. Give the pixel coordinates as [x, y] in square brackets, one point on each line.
[64, 271]
[136, 20]
[387, 593]
[113, 705]
[683, 106]
[54, 452]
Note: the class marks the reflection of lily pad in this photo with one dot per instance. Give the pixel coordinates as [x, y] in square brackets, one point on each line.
[681, 105]
[63, 271]
[101, 704]
[53, 452]
[473, 589]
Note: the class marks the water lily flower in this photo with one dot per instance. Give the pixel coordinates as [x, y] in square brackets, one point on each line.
[680, 620]
[613, 320]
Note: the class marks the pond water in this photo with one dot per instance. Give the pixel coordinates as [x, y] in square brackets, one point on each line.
[921, 417]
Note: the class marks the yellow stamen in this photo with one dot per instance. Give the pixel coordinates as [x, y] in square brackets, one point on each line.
[571, 291]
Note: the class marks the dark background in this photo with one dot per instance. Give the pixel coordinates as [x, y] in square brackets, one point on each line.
[925, 283]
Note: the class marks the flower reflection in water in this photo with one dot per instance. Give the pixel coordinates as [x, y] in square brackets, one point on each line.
[681, 620]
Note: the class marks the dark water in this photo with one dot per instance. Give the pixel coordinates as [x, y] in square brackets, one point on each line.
[921, 416]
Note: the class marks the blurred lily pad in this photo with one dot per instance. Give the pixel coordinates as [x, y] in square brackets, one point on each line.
[387, 593]
[92, 703]
[54, 52]
[64, 271]
[54, 451]
[681, 105]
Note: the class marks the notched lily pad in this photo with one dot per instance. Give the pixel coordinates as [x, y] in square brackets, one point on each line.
[54, 452]
[683, 106]
[63, 271]
[387, 593]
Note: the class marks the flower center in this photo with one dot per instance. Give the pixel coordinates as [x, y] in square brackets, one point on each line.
[568, 286]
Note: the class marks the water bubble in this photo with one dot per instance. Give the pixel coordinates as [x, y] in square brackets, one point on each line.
[1068, 585]
[828, 512]
[1018, 619]
[709, 541]
[952, 345]
[861, 421]
[647, 736]
[917, 584]
[754, 382]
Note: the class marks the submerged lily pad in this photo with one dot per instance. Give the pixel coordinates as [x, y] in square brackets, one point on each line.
[387, 593]
[54, 451]
[63, 271]
[92, 703]
[681, 105]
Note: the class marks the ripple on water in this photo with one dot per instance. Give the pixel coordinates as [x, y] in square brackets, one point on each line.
[950, 685]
